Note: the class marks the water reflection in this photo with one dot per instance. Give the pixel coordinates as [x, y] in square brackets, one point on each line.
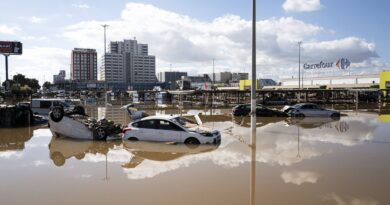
[322, 161]
[12, 139]
[62, 149]
[161, 151]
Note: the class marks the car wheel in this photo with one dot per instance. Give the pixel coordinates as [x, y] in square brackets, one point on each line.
[100, 133]
[79, 110]
[192, 143]
[133, 139]
[56, 114]
[300, 115]
[58, 159]
[80, 156]
[335, 115]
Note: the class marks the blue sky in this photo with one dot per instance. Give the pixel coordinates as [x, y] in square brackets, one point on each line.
[330, 28]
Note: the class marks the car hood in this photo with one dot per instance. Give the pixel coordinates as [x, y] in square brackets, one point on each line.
[202, 129]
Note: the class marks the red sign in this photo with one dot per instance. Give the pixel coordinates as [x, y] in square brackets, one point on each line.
[11, 47]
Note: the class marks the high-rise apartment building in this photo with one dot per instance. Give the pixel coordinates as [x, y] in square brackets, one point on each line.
[83, 66]
[128, 62]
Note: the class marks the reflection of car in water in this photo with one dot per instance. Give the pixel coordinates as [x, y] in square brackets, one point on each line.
[76, 124]
[169, 128]
[62, 149]
[157, 151]
[309, 123]
[261, 111]
[260, 121]
[309, 110]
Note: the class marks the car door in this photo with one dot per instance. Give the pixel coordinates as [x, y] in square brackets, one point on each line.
[147, 130]
[307, 110]
[319, 111]
[168, 131]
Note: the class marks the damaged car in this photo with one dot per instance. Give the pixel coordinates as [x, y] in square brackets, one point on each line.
[76, 124]
[171, 128]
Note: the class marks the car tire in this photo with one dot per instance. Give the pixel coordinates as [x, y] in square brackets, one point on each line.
[133, 139]
[58, 159]
[300, 115]
[79, 110]
[335, 115]
[56, 114]
[80, 156]
[192, 143]
[100, 133]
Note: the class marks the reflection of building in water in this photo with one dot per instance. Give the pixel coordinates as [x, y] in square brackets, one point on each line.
[14, 139]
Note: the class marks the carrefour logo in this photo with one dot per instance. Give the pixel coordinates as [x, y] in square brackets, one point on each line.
[343, 63]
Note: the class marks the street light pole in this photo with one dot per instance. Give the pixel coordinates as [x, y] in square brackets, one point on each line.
[253, 111]
[213, 72]
[299, 61]
[254, 82]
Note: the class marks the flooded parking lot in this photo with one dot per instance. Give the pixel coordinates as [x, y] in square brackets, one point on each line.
[295, 161]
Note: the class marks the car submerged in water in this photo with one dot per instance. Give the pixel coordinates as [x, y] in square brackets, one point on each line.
[76, 124]
[170, 128]
[309, 110]
[261, 111]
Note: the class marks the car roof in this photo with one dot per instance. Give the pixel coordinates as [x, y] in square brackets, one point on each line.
[160, 117]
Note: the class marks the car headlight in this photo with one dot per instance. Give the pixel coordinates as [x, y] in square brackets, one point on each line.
[207, 134]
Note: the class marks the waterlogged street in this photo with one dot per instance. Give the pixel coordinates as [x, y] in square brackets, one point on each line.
[307, 161]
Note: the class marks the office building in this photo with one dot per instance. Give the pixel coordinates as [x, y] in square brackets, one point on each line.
[60, 78]
[236, 77]
[171, 76]
[83, 65]
[112, 68]
[129, 63]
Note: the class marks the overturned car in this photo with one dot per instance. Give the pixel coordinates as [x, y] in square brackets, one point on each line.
[76, 124]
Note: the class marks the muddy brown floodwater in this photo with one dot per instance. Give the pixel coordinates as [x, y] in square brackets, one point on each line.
[308, 161]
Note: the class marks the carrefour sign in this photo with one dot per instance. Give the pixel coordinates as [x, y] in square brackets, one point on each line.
[342, 64]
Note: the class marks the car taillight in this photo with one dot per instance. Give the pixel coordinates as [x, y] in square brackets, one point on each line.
[124, 130]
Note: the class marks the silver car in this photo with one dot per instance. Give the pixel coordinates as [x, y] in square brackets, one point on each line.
[167, 128]
[310, 110]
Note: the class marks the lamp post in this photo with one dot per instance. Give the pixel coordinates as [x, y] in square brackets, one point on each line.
[299, 62]
[253, 87]
[253, 111]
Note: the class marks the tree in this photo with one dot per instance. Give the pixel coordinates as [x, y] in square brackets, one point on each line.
[46, 85]
[20, 79]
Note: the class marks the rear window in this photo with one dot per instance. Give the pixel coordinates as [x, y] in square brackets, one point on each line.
[45, 104]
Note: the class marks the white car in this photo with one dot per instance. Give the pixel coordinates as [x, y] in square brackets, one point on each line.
[310, 110]
[167, 128]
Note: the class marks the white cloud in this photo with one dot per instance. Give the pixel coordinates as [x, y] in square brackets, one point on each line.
[46, 60]
[35, 38]
[9, 30]
[11, 155]
[38, 163]
[191, 44]
[36, 20]
[338, 200]
[302, 5]
[300, 177]
[81, 6]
